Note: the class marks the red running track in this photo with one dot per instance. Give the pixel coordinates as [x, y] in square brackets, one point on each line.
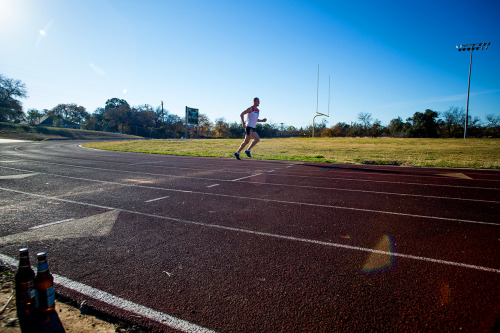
[200, 244]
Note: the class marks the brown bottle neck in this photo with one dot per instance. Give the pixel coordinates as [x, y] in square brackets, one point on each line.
[24, 262]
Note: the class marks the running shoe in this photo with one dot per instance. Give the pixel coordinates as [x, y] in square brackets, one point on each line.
[237, 155]
[248, 153]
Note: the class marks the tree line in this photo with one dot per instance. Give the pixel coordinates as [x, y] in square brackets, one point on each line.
[144, 120]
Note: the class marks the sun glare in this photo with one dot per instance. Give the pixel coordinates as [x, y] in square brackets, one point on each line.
[42, 32]
[5, 10]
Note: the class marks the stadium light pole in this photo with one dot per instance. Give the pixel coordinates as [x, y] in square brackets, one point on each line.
[471, 48]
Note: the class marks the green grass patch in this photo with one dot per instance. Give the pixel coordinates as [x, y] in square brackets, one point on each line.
[456, 153]
[40, 133]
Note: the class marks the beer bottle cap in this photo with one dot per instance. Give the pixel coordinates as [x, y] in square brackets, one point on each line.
[41, 256]
[23, 251]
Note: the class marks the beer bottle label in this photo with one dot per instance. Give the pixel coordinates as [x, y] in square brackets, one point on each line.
[25, 292]
[43, 266]
[45, 298]
[51, 296]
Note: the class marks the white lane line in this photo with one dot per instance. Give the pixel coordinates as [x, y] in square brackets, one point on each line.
[18, 176]
[254, 175]
[288, 176]
[51, 223]
[392, 182]
[213, 185]
[271, 170]
[356, 248]
[156, 199]
[118, 302]
[403, 173]
[226, 170]
[148, 163]
[12, 141]
[280, 201]
[277, 175]
[291, 238]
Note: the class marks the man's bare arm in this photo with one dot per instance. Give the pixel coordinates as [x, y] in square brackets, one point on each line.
[242, 115]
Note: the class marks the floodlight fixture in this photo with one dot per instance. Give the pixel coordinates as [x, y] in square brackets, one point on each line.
[471, 48]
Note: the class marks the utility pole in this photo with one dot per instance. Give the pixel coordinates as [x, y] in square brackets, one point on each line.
[471, 48]
[162, 117]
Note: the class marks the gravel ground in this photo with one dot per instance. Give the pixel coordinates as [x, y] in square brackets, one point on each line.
[73, 318]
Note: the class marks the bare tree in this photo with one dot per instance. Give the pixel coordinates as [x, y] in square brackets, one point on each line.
[366, 119]
[454, 119]
[493, 120]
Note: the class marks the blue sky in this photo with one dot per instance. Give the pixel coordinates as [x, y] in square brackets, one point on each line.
[386, 58]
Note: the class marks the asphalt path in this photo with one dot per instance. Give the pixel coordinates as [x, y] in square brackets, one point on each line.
[212, 244]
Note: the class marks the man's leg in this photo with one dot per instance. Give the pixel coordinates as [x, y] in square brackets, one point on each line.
[256, 139]
[244, 143]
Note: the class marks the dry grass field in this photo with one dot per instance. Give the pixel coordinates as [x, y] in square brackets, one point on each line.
[456, 153]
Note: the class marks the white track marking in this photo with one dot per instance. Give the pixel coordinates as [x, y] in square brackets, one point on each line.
[298, 186]
[51, 223]
[213, 185]
[279, 201]
[343, 170]
[291, 238]
[399, 183]
[18, 176]
[285, 175]
[289, 185]
[118, 302]
[254, 175]
[156, 199]
[226, 170]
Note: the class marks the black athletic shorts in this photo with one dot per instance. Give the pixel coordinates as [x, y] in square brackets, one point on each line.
[250, 129]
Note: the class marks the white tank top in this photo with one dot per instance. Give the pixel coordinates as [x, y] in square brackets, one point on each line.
[252, 117]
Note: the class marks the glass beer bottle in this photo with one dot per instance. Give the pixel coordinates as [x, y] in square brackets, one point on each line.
[44, 285]
[25, 291]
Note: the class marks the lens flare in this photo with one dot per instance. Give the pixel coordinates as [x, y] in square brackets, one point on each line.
[42, 34]
[381, 259]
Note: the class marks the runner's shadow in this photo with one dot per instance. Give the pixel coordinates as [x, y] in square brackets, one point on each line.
[360, 169]
[40, 322]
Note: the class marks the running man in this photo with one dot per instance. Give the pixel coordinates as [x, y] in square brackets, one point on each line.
[252, 120]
